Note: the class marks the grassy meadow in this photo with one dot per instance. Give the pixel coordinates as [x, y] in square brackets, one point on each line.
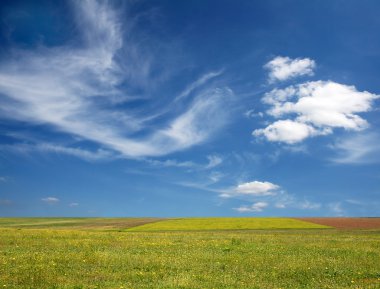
[78, 255]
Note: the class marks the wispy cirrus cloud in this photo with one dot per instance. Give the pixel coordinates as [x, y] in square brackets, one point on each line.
[213, 161]
[3, 179]
[255, 207]
[171, 163]
[80, 90]
[216, 176]
[51, 148]
[357, 149]
[198, 83]
[50, 200]
[205, 115]
[336, 209]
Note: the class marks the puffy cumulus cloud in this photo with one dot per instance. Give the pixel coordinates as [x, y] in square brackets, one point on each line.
[286, 131]
[50, 200]
[264, 194]
[283, 68]
[255, 207]
[255, 188]
[317, 107]
[325, 103]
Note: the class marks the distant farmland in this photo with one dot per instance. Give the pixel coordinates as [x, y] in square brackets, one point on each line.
[200, 224]
[186, 253]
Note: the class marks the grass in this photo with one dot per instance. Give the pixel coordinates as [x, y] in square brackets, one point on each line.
[75, 223]
[72, 258]
[196, 224]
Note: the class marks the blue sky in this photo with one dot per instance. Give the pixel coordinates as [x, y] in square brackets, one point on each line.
[189, 108]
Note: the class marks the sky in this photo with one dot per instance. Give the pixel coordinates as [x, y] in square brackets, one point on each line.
[189, 108]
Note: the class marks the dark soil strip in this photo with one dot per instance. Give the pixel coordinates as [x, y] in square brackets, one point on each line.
[346, 223]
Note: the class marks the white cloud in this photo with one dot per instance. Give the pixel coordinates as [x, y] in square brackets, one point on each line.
[336, 209]
[357, 149]
[354, 202]
[73, 204]
[50, 200]
[203, 186]
[283, 68]
[189, 89]
[3, 179]
[213, 161]
[287, 131]
[317, 107]
[76, 90]
[327, 103]
[251, 114]
[278, 96]
[24, 148]
[172, 163]
[265, 193]
[206, 115]
[255, 207]
[255, 189]
[289, 201]
[99, 154]
[307, 205]
[280, 205]
[216, 176]
[285, 200]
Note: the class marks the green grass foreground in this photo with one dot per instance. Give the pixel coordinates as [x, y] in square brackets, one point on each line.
[72, 258]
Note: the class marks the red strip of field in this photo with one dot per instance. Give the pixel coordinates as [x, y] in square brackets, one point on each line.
[346, 223]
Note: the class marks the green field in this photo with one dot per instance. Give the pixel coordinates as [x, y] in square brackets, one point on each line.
[75, 223]
[96, 253]
[197, 224]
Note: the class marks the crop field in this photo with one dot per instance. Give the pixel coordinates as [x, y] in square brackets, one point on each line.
[153, 253]
[346, 223]
[75, 223]
[196, 224]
